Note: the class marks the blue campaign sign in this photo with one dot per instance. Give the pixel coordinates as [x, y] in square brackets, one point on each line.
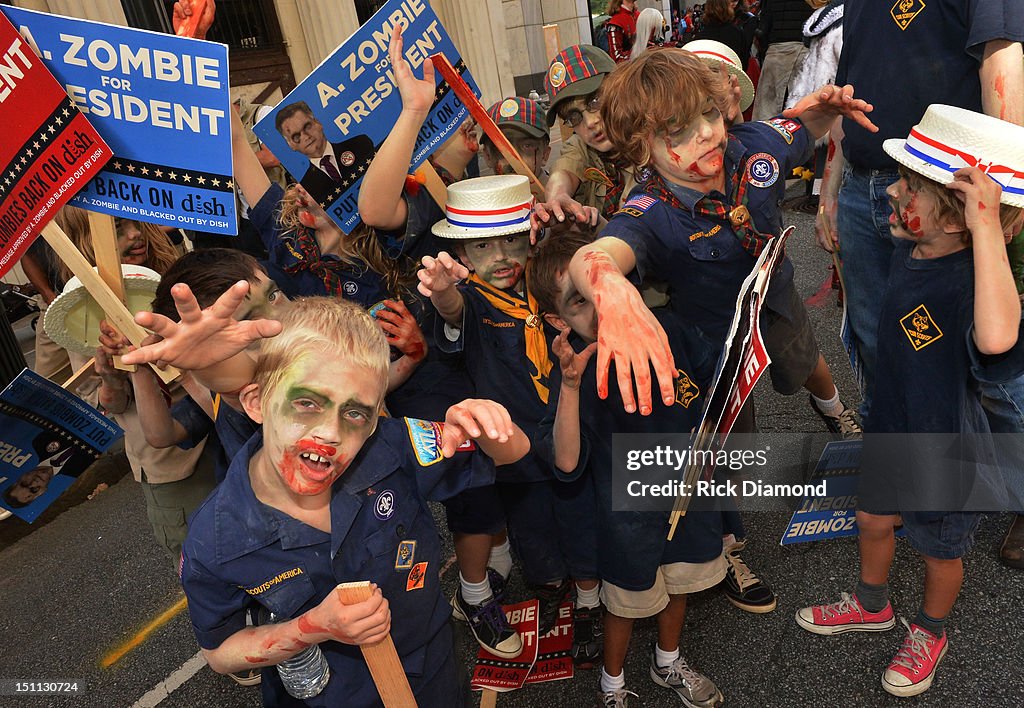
[47, 438]
[161, 102]
[328, 129]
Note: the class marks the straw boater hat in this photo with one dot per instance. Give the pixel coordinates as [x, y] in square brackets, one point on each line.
[486, 206]
[949, 138]
[712, 52]
[73, 318]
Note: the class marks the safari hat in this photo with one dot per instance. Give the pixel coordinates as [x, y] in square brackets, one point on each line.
[711, 51]
[575, 71]
[73, 318]
[949, 138]
[486, 206]
[522, 114]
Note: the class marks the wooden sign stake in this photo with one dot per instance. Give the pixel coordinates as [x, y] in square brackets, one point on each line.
[434, 184]
[103, 231]
[479, 113]
[113, 308]
[87, 369]
[385, 666]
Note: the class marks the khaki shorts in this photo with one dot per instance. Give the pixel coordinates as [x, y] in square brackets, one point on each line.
[169, 505]
[672, 579]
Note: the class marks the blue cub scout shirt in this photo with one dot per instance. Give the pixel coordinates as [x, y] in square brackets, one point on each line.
[700, 257]
[242, 554]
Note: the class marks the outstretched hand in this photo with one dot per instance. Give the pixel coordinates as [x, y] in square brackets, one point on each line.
[400, 327]
[440, 273]
[572, 364]
[475, 418]
[822, 106]
[417, 94]
[203, 337]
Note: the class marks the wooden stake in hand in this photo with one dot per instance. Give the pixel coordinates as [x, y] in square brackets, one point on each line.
[382, 658]
[479, 113]
[108, 262]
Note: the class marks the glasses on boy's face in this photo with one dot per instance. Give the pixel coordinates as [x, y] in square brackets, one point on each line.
[574, 116]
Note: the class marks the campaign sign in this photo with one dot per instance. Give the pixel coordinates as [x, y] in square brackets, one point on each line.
[161, 102]
[499, 674]
[554, 653]
[48, 152]
[834, 514]
[328, 129]
[48, 438]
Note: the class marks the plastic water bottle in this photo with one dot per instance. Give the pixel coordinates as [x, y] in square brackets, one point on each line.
[306, 674]
[534, 96]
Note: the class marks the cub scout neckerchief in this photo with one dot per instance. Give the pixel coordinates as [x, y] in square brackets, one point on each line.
[735, 211]
[533, 329]
[302, 245]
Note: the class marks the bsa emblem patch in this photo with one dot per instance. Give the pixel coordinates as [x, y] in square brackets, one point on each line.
[406, 555]
[350, 287]
[384, 505]
[784, 127]
[417, 577]
[762, 170]
[556, 74]
[904, 11]
[686, 389]
[425, 437]
[920, 328]
[508, 108]
[348, 158]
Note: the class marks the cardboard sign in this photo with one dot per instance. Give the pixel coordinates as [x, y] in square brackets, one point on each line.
[554, 653]
[355, 103]
[161, 102]
[48, 438]
[497, 674]
[744, 360]
[48, 151]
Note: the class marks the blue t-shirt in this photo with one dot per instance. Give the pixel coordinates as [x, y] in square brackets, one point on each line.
[700, 257]
[241, 554]
[927, 386]
[902, 59]
[633, 544]
[494, 346]
[359, 284]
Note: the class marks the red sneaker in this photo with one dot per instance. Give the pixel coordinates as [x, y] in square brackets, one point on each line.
[847, 615]
[912, 669]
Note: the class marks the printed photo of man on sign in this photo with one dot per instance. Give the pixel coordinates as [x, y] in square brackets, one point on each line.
[327, 130]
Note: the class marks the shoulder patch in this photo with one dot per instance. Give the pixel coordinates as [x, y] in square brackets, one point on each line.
[762, 170]
[637, 205]
[784, 127]
[425, 437]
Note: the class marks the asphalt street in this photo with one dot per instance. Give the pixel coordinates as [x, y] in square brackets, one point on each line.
[87, 577]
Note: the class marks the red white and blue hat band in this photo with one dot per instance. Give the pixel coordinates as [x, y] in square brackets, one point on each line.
[951, 159]
[490, 218]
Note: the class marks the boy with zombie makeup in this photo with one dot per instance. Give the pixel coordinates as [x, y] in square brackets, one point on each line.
[642, 573]
[705, 210]
[950, 320]
[328, 492]
[524, 122]
[493, 320]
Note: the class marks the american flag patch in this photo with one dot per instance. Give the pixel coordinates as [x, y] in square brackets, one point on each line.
[642, 202]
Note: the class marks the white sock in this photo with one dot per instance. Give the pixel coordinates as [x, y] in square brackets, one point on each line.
[664, 658]
[588, 598]
[501, 559]
[832, 406]
[475, 593]
[612, 683]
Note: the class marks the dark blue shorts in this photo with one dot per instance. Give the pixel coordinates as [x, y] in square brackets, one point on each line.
[942, 535]
[475, 510]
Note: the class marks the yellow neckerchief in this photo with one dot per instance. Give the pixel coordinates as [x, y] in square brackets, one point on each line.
[533, 329]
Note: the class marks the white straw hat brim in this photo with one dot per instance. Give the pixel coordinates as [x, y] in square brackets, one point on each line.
[896, 148]
[73, 318]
